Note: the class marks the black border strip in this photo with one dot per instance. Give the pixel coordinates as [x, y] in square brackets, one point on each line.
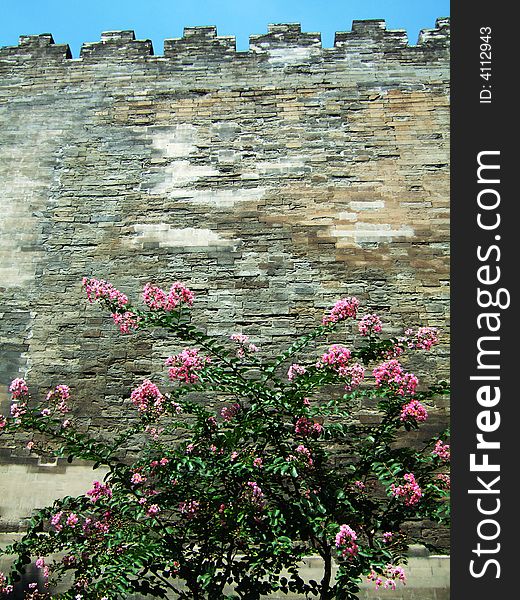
[483, 123]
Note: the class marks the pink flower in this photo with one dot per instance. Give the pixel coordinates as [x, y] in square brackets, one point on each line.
[99, 490]
[18, 388]
[153, 510]
[410, 492]
[346, 541]
[154, 432]
[56, 520]
[258, 463]
[295, 370]
[4, 588]
[444, 480]
[442, 451]
[99, 289]
[147, 398]
[343, 309]
[228, 413]
[256, 495]
[370, 324]
[72, 520]
[305, 453]
[242, 340]
[46, 412]
[422, 339]
[186, 365]
[356, 373]
[305, 427]
[18, 409]
[126, 321]
[414, 410]
[60, 392]
[388, 536]
[189, 509]
[59, 395]
[137, 478]
[157, 299]
[391, 574]
[336, 358]
[3, 421]
[391, 373]
[40, 563]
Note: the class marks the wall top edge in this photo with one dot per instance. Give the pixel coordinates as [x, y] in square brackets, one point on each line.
[202, 40]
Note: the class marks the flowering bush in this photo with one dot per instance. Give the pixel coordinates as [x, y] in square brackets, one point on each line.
[226, 502]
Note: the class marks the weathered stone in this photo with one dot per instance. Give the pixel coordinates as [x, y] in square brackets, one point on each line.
[272, 182]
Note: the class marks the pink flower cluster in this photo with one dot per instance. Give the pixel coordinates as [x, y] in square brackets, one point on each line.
[414, 410]
[306, 427]
[346, 541]
[148, 399]
[99, 289]
[155, 432]
[18, 388]
[228, 413]
[391, 574]
[99, 490]
[356, 373]
[153, 510]
[57, 520]
[244, 345]
[305, 453]
[336, 357]
[60, 394]
[392, 373]
[422, 339]
[157, 299]
[19, 393]
[388, 536]
[3, 421]
[189, 509]
[4, 587]
[442, 451]
[444, 480]
[295, 370]
[184, 366]
[137, 478]
[410, 492]
[370, 324]
[127, 321]
[255, 494]
[343, 309]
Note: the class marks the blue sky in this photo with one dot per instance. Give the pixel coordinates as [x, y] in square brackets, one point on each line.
[74, 22]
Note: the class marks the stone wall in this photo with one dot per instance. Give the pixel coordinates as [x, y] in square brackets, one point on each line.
[272, 182]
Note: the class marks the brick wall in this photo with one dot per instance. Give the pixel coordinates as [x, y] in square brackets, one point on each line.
[272, 182]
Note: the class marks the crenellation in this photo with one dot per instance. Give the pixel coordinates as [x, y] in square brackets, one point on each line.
[39, 47]
[283, 45]
[288, 36]
[117, 44]
[439, 37]
[200, 42]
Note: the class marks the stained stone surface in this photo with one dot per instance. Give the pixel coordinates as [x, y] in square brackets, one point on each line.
[272, 182]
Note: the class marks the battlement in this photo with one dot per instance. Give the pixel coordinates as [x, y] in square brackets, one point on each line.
[204, 42]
